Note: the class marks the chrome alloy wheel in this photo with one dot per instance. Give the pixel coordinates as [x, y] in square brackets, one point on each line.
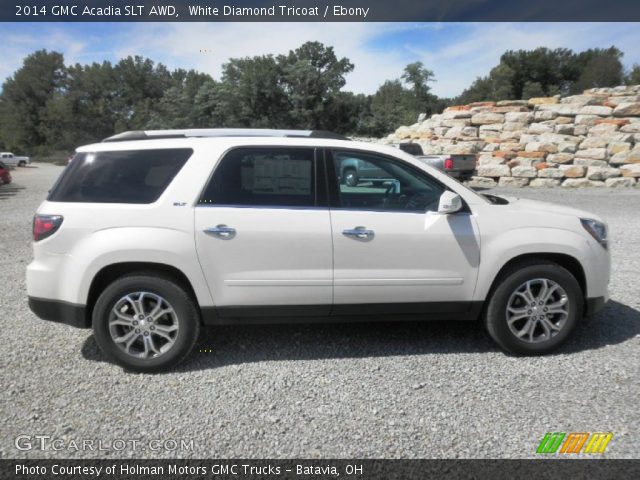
[143, 325]
[537, 310]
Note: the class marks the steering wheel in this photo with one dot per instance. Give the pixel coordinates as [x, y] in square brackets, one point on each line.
[420, 201]
[390, 189]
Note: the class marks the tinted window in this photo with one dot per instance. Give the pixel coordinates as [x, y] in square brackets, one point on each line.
[131, 176]
[278, 177]
[369, 182]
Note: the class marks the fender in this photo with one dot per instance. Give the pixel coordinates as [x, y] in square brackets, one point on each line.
[167, 246]
[499, 250]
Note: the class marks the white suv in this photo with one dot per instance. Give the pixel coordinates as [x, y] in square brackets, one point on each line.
[149, 235]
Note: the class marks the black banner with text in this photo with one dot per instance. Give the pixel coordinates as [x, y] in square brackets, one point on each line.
[320, 11]
[318, 469]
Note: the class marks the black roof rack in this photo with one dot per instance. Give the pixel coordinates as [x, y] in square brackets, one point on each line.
[221, 132]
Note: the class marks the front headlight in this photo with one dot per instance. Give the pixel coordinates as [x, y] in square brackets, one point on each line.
[598, 230]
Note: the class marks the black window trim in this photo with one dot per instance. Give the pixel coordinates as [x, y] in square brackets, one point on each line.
[321, 202]
[333, 188]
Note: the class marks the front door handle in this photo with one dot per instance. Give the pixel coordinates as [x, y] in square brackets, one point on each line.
[359, 232]
[221, 231]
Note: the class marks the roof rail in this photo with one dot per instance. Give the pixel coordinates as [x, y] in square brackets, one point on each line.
[221, 132]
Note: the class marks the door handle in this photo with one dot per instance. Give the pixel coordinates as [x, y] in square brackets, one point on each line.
[221, 231]
[359, 232]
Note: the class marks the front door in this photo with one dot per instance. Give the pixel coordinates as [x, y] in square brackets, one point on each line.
[392, 251]
[263, 236]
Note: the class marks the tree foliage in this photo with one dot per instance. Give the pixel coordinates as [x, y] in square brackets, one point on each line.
[47, 105]
[541, 72]
[27, 98]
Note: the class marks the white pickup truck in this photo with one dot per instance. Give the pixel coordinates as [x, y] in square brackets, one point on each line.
[9, 158]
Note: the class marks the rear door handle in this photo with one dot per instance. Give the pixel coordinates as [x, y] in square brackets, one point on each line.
[221, 231]
[359, 232]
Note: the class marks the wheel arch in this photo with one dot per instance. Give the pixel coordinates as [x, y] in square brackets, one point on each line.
[566, 261]
[110, 273]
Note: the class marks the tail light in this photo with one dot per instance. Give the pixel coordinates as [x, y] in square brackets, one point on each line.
[448, 164]
[45, 225]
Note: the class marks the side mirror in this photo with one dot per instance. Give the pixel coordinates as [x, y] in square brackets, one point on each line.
[449, 203]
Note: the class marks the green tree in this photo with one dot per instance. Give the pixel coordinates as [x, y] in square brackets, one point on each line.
[532, 89]
[391, 106]
[25, 100]
[82, 111]
[501, 80]
[418, 78]
[498, 85]
[545, 72]
[480, 90]
[541, 65]
[312, 76]
[349, 113]
[177, 107]
[250, 93]
[633, 77]
[599, 68]
[140, 85]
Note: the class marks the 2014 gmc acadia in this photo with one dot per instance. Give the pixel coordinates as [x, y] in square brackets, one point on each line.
[149, 235]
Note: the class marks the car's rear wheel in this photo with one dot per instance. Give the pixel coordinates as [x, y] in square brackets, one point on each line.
[534, 308]
[22, 163]
[145, 323]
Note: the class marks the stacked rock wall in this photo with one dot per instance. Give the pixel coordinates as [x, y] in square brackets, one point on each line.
[591, 139]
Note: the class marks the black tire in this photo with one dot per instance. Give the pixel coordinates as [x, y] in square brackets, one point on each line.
[22, 164]
[186, 315]
[350, 177]
[495, 315]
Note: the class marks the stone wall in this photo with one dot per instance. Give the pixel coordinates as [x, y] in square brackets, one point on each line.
[591, 139]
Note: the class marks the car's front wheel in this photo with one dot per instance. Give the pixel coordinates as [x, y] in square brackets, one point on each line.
[145, 323]
[534, 308]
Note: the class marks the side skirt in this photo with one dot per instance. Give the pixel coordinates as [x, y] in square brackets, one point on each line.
[465, 311]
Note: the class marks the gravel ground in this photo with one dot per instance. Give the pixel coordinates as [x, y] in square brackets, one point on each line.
[382, 390]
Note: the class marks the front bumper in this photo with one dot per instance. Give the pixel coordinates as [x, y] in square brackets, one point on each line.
[61, 312]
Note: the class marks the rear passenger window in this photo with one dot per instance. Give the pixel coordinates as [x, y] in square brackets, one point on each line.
[263, 177]
[130, 176]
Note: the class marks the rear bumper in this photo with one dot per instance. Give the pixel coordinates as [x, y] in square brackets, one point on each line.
[60, 312]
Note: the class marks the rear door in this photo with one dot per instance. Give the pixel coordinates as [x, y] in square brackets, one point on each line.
[263, 233]
[392, 251]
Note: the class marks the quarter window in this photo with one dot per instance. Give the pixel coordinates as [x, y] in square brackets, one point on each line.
[370, 182]
[263, 177]
[128, 176]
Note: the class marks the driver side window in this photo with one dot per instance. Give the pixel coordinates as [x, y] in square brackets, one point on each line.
[370, 182]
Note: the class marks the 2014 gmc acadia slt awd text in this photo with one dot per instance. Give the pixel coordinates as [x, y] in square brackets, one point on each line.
[149, 235]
